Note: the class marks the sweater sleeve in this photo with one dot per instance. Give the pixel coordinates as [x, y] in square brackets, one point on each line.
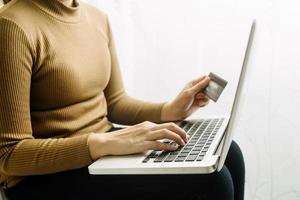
[123, 109]
[20, 153]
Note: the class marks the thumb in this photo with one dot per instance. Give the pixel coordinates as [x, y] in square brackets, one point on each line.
[200, 85]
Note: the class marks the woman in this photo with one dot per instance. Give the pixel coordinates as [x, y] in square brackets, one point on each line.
[61, 90]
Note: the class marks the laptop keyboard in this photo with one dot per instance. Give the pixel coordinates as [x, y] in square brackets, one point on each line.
[201, 133]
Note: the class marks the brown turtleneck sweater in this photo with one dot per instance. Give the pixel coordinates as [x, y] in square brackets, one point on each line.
[59, 81]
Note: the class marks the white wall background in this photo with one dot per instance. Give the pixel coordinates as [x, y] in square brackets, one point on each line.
[160, 50]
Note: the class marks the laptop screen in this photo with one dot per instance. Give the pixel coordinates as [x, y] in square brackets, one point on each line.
[225, 145]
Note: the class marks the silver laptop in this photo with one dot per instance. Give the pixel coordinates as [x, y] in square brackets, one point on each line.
[205, 151]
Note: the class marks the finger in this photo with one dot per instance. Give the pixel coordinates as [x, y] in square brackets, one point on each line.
[201, 95]
[200, 85]
[147, 124]
[174, 128]
[165, 134]
[202, 103]
[204, 99]
[160, 146]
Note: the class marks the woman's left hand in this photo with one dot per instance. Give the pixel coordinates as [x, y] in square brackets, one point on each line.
[187, 101]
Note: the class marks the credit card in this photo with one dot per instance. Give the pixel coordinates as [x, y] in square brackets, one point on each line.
[215, 87]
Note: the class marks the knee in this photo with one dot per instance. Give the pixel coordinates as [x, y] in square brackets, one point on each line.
[223, 187]
[235, 153]
[236, 148]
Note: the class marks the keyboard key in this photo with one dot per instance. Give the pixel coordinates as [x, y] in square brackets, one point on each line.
[174, 153]
[183, 154]
[187, 149]
[192, 143]
[191, 158]
[146, 160]
[161, 157]
[189, 145]
[153, 154]
[197, 148]
[195, 153]
[170, 158]
[200, 158]
[182, 124]
[180, 159]
[202, 154]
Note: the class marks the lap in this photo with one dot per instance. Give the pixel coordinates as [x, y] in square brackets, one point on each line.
[78, 184]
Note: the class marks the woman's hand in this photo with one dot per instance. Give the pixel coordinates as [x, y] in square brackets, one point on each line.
[135, 139]
[187, 102]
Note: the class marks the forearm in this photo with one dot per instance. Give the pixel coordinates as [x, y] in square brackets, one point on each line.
[44, 156]
[129, 111]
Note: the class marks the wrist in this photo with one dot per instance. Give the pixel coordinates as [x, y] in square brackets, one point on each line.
[96, 144]
[169, 113]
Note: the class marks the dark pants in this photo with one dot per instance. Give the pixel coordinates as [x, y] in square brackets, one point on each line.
[228, 184]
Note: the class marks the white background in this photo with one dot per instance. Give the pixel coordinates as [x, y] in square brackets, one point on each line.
[160, 48]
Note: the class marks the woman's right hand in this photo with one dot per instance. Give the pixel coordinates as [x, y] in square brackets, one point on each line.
[136, 139]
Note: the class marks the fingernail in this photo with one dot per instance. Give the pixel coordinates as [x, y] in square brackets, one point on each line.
[185, 140]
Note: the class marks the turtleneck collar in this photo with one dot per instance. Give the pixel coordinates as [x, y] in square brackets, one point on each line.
[60, 11]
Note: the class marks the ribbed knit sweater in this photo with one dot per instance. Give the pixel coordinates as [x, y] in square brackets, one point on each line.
[59, 81]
